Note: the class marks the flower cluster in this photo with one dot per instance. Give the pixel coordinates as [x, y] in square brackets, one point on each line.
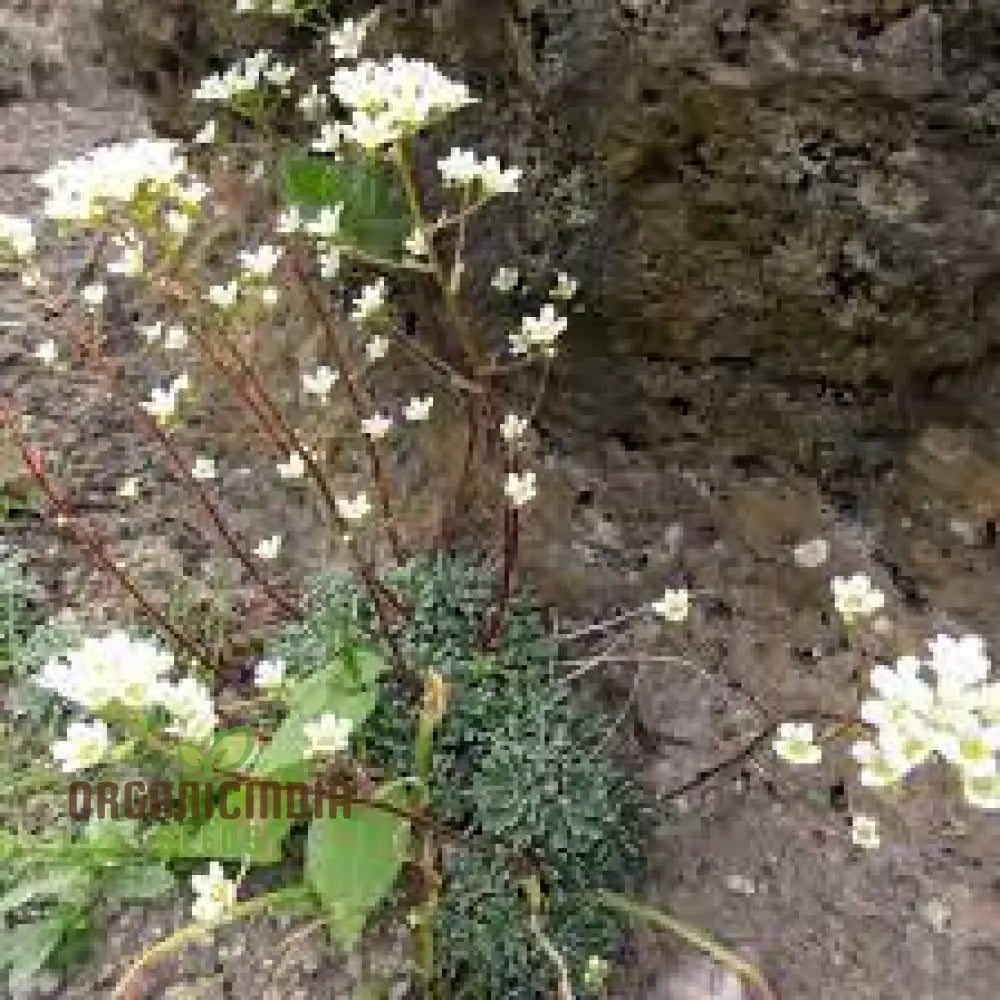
[942, 705]
[392, 99]
[460, 168]
[117, 669]
[243, 77]
[82, 189]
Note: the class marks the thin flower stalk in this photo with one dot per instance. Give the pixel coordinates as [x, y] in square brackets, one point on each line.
[153, 428]
[470, 348]
[91, 543]
[355, 393]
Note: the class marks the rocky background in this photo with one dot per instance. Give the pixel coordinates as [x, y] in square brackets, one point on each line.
[784, 216]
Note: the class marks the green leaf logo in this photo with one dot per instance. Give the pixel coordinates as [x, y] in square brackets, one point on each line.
[232, 748]
[229, 751]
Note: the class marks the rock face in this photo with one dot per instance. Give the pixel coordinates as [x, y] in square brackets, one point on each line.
[811, 187]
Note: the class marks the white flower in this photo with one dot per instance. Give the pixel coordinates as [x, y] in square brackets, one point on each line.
[260, 262]
[245, 6]
[190, 703]
[223, 296]
[394, 98]
[329, 262]
[312, 102]
[282, 6]
[294, 468]
[177, 222]
[31, 277]
[94, 294]
[152, 332]
[810, 555]
[331, 135]
[349, 37]
[865, 832]
[376, 426]
[416, 243]
[268, 548]
[505, 279]
[175, 339]
[47, 352]
[215, 895]
[673, 606]
[113, 668]
[326, 225]
[289, 220]
[328, 735]
[353, 509]
[495, 179]
[270, 674]
[269, 295]
[513, 427]
[377, 347]
[321, 381]
[161, 405]
[206, 134]
[130, 263]
[520, 487]
[193, 193]
[371, 131]
[204, 469]
[876, 771]
[17, 235]
[795, 743]
[566, 287]
[279, 74]
[85, 746]
[958, 663]
[540, 331]
[458, 168]
[370, 302]
[418, 409]
[855, 597]
[129, 488]
[82, 189]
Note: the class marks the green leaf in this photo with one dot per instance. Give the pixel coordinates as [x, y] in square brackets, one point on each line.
[139, 881]
[26, 948]
[232, 748]
[352, 863]
[64, 884]
[349, 691]
[375, 216]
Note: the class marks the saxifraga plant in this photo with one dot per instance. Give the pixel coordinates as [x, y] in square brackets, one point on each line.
[516, 764]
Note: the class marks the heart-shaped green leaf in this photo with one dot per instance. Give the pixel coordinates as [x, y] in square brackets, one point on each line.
[352, 863]
[375, 215]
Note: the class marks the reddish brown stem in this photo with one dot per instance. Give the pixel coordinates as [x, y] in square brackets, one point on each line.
[97, 550]
[156, 431]
[260, 403]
